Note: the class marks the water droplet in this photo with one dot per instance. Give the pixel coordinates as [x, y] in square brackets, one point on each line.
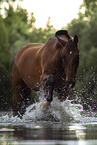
[70, 52]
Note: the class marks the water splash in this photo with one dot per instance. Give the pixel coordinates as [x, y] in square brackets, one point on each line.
[58, 111]
[55, 112]
[66, 112]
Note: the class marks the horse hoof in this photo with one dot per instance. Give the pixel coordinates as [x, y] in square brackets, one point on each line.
[45, 104]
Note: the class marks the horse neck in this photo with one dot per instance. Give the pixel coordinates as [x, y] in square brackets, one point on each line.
[51, 45]
[51, 52]
[50, 49]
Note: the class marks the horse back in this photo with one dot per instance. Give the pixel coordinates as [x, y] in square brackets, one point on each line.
[32, 46]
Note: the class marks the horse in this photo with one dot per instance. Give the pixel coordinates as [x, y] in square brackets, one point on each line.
[52, 65]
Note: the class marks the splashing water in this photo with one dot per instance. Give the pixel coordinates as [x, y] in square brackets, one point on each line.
[58, 111]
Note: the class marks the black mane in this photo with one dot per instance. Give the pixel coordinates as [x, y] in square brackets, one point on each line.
[62, 32]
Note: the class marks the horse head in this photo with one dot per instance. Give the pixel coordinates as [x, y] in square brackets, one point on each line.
[69, 56]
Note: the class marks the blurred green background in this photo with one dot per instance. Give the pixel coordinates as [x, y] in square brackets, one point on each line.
[16, 30]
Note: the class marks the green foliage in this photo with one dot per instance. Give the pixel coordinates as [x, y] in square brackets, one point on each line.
[90, 7]
[41, 35]
[3, 35]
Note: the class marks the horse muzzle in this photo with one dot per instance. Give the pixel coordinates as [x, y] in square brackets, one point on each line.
[70, 84]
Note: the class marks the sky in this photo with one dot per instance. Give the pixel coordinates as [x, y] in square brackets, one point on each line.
[61, 12]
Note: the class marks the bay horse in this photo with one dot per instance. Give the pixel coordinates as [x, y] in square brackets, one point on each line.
[52, 65]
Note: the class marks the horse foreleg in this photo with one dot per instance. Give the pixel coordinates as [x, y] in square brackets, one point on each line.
[50, 85]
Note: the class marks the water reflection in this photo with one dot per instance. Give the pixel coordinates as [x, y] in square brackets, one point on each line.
[46, 133]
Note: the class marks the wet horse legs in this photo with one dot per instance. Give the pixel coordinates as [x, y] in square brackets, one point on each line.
[21, 93]
[50, 85]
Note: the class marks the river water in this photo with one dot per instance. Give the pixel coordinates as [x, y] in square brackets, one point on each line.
[62, 123]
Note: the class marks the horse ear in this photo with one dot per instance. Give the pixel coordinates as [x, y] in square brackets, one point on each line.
[62, 39]
[62, 36]
[76, 39]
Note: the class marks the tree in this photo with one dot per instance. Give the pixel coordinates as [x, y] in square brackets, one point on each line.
[90, 7]
[14, 33]
[41, 35]
[4, 33]
[5, 79]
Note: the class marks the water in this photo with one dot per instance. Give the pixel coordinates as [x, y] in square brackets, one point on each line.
[63, 123]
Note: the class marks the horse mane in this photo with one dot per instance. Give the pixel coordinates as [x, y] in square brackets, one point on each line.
[62, 32]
